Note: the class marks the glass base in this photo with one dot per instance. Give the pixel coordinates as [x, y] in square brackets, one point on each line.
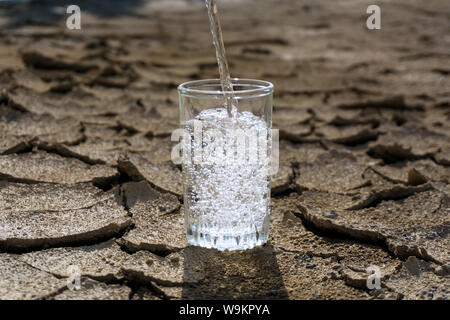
[231, 243]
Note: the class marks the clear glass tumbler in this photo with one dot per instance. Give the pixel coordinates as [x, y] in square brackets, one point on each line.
[226, 159]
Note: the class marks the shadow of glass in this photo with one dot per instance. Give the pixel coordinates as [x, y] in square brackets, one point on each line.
[250, 274]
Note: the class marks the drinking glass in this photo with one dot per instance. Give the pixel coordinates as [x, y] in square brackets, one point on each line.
[226, 162]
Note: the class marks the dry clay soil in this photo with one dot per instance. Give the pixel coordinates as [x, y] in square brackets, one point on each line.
[87, 185]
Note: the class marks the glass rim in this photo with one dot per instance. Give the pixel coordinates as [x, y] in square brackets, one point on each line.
[261, 88]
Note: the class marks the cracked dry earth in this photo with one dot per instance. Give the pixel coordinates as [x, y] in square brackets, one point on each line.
[85, 171]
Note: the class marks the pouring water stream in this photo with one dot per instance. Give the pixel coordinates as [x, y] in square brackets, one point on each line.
[225, 79]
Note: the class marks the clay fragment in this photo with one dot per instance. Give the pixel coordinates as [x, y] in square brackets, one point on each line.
[158, 221]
